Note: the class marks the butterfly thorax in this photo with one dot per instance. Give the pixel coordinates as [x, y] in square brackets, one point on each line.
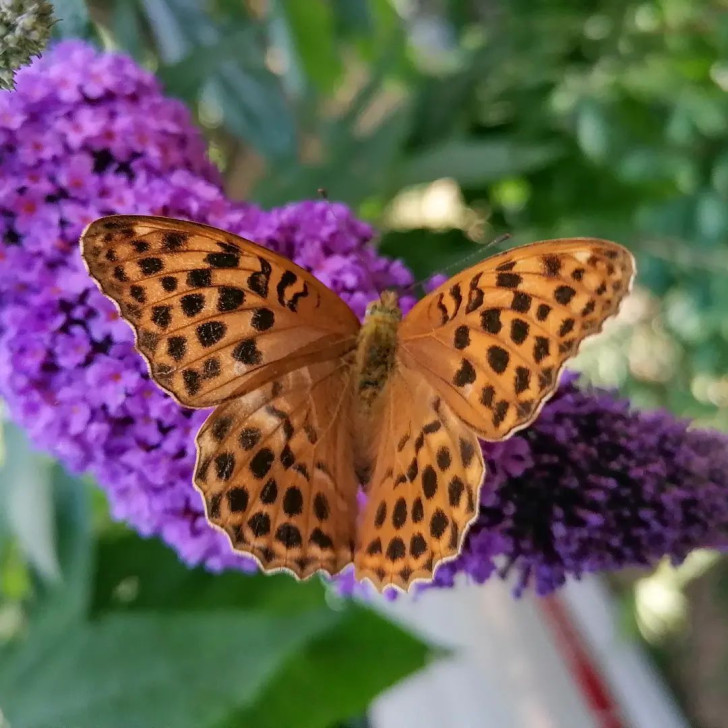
[376, 348]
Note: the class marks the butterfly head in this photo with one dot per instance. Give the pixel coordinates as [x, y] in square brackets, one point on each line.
[386, 308]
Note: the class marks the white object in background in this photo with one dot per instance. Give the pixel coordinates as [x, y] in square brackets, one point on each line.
[644, 699]
[523, 664]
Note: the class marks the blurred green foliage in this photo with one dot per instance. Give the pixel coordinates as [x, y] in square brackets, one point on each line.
[546, 118]
[101, 628]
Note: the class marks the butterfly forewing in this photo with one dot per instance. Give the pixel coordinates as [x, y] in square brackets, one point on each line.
[211, 309]
[222, 321]
[423, 493]
[276, 470]
[493, 339]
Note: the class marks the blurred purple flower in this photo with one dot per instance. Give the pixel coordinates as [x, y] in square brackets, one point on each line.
[591, 486]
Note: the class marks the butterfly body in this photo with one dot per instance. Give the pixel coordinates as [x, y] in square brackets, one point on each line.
[376, 349]
[310, 404]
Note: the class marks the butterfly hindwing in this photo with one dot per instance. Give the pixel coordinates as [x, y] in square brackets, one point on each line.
[493, 339]
[210, 309]
[275, 467]
[423, 493]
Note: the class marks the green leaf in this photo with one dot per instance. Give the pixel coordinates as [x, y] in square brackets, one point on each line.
[57, 606]
[592, 130]
[337, 676]
[68, 599]
[73, 19]
[255, 109]
[312, 29]
[127, 27]
[149, 670]
[187, 76]
[176, 25]
[26, 502]
[474, 162]
[138, 574]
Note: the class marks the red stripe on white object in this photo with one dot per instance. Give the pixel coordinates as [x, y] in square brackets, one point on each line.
[594, 689]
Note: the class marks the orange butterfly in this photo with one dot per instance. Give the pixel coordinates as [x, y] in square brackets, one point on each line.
[309, 403]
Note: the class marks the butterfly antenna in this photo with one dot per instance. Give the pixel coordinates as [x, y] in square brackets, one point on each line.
[461, 263]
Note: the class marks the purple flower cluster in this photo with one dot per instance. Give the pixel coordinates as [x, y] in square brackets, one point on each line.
[89, 134]
[591, 486]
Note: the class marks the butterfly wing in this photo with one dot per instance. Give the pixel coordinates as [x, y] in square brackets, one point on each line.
[423, 493]
[493, 339]
[215, 315]
[275, 468]
[222, 321]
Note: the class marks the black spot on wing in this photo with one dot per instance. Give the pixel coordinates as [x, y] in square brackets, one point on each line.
[293, 301]
[150, 266]
[200, 278]
[442, 309]
[564, 294]
[229, 298]
[192, 304]
[508, 280]
[457, 298]
[222, 260]
[247, 352]
[475, 295]
[259, 280]
[262, 319]
[173, 241]
[464, 375]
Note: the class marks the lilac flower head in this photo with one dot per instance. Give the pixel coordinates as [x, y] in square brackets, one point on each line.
[88, 134]
[592, 485]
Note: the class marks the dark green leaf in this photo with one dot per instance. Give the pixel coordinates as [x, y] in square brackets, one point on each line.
[169, 645]
[229, 66]
[152, 669]
[58, 606]
[337, 676]
[356, 168]
[353, 16]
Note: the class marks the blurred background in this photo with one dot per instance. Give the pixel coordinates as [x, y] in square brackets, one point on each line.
[444, 123]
